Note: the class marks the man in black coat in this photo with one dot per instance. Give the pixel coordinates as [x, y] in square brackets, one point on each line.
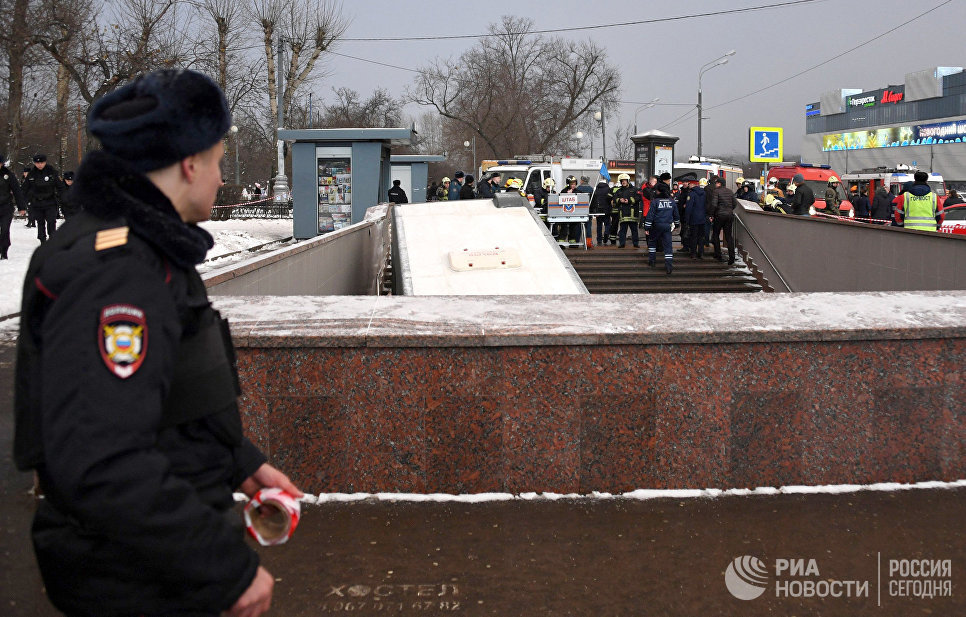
[804, 196]
[126, 388]
[489, 187]
[882, 206]
[721, 215]
[42, 189]
[10, 196]
[467, 191]
[397, 194]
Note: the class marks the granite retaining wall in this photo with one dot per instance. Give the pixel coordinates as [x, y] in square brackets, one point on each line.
[589, 393]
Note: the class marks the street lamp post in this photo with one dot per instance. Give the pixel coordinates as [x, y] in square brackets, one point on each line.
[647, 105]
[466, 144]
[580, 141]
[234, 138]
[707, 67]
[599, 116]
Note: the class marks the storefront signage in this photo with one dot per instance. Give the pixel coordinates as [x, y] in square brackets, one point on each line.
[898, 136]
[812, 109]
[887, 96]
[863, 101]
[891, 97]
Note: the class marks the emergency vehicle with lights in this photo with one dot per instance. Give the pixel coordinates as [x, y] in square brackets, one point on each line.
[703, 167]
[532, 171]
[954, 221]
[892, 178]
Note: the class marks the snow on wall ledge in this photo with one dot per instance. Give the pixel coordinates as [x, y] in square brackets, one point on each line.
[576, 394]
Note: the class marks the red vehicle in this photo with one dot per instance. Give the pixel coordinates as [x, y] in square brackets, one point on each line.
[954, 221]
[816, 176]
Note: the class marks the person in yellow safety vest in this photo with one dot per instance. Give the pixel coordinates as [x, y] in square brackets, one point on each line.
[614, 220]
[918, 208]
[628, 207]
[442, 193]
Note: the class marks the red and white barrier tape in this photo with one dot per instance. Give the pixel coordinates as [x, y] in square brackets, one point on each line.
[857, 219]
[244, 203]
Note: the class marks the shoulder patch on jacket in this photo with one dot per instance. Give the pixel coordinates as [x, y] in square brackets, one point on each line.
[110, 238]
[123, 338]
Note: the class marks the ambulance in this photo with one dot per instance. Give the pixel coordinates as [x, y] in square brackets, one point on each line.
[892, 178]
[534, 170]
[703, 167]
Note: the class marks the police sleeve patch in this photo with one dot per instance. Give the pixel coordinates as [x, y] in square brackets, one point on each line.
[123, 338]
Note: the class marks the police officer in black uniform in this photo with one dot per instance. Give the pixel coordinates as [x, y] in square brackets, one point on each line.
[31, 219]
[69, 207]
[126, 385]
[42, 189]
[397, 194]
[10, 195]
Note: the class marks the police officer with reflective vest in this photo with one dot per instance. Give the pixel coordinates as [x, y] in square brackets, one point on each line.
[628, 207]
[919, 207]
[126, 387]
[661, 219]
[42, 189]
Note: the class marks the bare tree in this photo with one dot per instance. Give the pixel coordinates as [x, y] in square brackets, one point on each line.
[623, 147]
[15, 42]
[519, 92]
[227, 17]
[100, 52]
[349, 110]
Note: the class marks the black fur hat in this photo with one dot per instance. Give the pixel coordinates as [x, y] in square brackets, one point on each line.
[160, 118]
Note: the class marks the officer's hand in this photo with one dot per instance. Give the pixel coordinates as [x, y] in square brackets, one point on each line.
[21, 212]
[257, 599]
[267, 476]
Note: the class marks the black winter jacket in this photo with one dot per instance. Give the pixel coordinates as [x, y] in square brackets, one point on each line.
[600, 200]
[136, 518]
[722, 202]
[882, 205]
[803, 200]
[42, 187]
[10, 193]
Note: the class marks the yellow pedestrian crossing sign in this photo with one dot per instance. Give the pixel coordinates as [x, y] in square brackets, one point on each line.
[765, 144]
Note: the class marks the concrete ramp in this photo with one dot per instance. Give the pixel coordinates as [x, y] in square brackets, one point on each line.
[477, 247]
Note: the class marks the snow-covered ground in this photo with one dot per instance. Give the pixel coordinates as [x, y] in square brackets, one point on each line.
[230, 236]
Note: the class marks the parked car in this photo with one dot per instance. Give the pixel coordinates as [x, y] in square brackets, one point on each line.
[955, 220]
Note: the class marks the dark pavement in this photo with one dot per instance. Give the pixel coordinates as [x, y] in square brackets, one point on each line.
[593, 557]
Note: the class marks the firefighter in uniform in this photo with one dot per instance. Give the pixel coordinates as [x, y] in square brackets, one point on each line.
[662, 217]
[919, 208]
[628, 208]
[125, 396]
[541, 199]
[10, 197]
[42, 190]
[832, 199]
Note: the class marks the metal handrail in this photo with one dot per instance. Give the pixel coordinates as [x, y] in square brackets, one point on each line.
[764, 254]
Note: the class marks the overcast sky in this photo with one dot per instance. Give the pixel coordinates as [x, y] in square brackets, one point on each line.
[663, 59]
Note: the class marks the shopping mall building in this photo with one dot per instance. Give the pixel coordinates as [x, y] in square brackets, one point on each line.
[921, 123]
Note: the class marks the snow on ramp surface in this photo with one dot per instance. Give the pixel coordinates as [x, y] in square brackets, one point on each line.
[430, 232]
